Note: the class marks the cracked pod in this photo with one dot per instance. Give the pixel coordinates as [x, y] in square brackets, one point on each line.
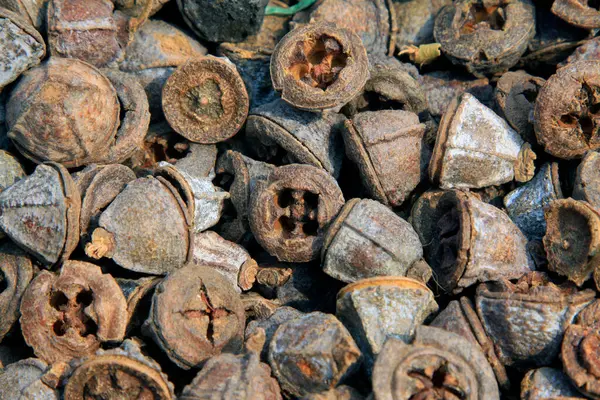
[525, 205]
[312, 353]
[16, 271]
[228, 376]
[289, 211]
[146, 228]
[572, 240]
[24, 379]
[68, 315]
[381, 143]
[435, 364]
[587, 184]
[21, 46]
[268, 326]
[289, 136]
[376, 309]
[455, 229]
[366, 240]
[548, 384]
[205, 100]
[487, 37]
[475, 148]
[534, 303]
[80, 109]
[582, 14]
[123, 373]
[196, 314]
[319, 66]
[567, 111]
[40, 213]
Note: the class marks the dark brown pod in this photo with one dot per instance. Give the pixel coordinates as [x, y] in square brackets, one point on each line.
[580, 356]
[205, 100]
[69, 315]
[566, 111]
[581, 14]
[24, 379]
[319, 66]
[587, 184]
[196, 313]
[40, 213]
[16, 271]
[291, 209]
[258, 307]
[572, 239]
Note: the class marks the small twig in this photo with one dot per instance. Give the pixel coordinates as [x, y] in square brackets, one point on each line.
[422, 55]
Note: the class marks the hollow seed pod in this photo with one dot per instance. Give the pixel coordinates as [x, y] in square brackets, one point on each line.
[24, 380]
[587, 185]
[580, 357]
[546, 384]
[16, 271]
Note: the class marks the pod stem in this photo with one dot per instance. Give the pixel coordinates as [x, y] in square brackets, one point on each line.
[301, 5]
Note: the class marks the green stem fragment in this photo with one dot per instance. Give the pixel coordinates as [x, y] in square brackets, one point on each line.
[301, 5]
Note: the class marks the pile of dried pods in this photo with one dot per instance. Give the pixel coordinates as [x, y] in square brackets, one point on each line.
[299, 199]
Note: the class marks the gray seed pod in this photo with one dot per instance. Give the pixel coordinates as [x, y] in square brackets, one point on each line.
[23, 380]
[33, 11]
[11, 170]
[548, 384]
[269, 326]
[587, 184]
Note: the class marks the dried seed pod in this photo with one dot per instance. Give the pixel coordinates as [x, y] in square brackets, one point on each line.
[269, 325]
[290, 210]
[319, 66]
[40, 213]
[258, 307]
[455, 229]
[227, 376]
[587, 186]
[415, 21]
[196, 313]
[22, 47]
[229, 259]
[341, 392]
[382, 143]
[525, 205]
[580, 14]
[33, 11]
[366, 240]
[436, 363]
[121, 373]
[588, 51]
[312, 353]
[566, 111]
[545, 309]
[273, 277]
[146, 228]
[292, 136]
[16, 271]
[376, 309]
[205, 100]
[516, 93]
[572, 239]
[11, 170]
[486, 38]
[23, 380]
[547, 384]
[138, 293]
[580, 356]
[371, 20]
[476, 148]
[129, 16]
[70, 314]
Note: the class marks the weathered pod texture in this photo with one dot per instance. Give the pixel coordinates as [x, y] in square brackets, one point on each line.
[123, 373]
[40, 213]
[21, 46]
[288, 136]
[485, 37]
[579, 13]
[548, 384]
[341, 392]
[566, 112]
[525, 205]
[580, 356]
[228, 376]
[11, 170]
[377, 309]
[196, 314]
[79, 108]
[205, 100]
[138, 293]
[414, 21]
[265, 328]
[24, 380]
[16, 271]
[371, 20]
[69, 315]
[146, 228]
[366, 240]
[291, 209]
[587, 184]
[319, 66]
[528, 319]
[467, 241]
[475, 148]
[588, 51]
[436, 364]
[382, 143]
[312, 353]
[32, 11]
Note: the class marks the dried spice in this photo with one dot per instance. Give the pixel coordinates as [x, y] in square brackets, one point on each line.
[24, 380]
[546, 384]
[415, 20]
[587, 186]
[16, 271]
[266, 327]
[581, 14]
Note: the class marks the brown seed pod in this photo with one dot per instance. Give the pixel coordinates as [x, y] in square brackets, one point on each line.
[40, 213]
[69, 315]
[266, 327]
[580, 356]
[258, 307]
[572, 239]
[581, 14]
[196, 313]
[24, 379]
[16, 271]
[588, 51]
[205, 100]
[33, 11]
[567, 111]
[290, 210]
[587, 184]
[414, 21]
[319, 66]
[436, 364]
[22, 46]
